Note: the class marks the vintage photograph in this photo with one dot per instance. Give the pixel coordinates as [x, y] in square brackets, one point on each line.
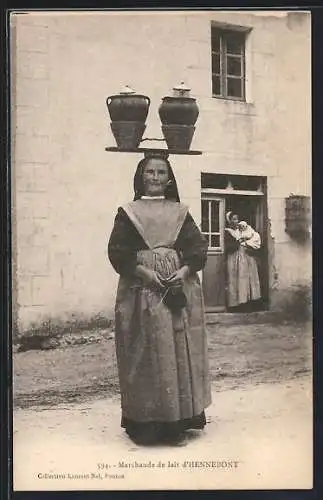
[161, 250]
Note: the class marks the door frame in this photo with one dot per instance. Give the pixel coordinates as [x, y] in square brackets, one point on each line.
[223, 195]
[215, 251]
[221, 201]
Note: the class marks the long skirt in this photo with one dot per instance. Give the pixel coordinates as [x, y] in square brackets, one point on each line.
[242, 278]
[161, 355]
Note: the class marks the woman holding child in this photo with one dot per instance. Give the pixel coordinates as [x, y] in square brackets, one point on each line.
[242, 242]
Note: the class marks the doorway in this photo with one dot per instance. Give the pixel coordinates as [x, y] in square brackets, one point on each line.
[250, 203]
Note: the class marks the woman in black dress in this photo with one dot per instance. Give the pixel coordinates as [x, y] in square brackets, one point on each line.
[157, 249]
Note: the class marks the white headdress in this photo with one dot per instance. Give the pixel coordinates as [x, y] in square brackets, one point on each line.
[228, 216]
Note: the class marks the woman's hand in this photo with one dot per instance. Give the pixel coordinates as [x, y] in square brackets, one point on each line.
[177, 279]
[149, 277]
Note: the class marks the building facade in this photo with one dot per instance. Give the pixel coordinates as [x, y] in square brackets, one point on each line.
[250, 73]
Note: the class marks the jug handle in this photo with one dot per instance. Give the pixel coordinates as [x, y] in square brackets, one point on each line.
[148, 99]
[108, 101]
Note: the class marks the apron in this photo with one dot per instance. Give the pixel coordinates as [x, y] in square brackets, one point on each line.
[161, 355]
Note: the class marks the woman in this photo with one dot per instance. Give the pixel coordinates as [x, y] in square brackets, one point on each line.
[161, 346]
[242, 273]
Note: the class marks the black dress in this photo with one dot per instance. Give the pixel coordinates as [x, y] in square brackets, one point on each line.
[191, 246]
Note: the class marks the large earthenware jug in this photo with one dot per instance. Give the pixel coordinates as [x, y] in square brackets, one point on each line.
[178, 114]
[128, 112]
[180, 108]
[128, 106]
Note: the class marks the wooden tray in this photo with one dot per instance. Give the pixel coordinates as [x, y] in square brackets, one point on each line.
[190, 152]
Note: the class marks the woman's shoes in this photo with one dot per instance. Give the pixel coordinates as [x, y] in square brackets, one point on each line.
[149, 439]
[178, 439]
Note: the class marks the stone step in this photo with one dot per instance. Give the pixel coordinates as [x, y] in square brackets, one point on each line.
[229, 318]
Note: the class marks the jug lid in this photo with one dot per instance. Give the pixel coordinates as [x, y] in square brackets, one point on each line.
[182, 87]
[181, 90]
[127, 90]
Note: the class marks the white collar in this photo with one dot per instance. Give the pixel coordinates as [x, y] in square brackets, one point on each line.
[152, 197]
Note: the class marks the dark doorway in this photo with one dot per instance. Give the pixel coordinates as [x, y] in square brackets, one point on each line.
[252, 209]
[246, 196]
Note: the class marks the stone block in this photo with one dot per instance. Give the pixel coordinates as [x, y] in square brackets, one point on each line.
[33, 65]
[33, 149]
[33, 260]
[32, 38]
[31, 92]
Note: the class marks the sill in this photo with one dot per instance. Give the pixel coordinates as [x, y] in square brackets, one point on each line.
[222, 98]
[215, 251]
[236, 105]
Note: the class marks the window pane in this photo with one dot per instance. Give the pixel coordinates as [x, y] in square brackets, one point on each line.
[214, 216]
[234, 87]
[215, 240]
[205, 216]
[215, 40]
[234, 43]
[215, 63]
[216, 85]
[217, 181]
[234, 65]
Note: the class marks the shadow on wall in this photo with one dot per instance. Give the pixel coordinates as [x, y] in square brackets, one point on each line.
[293, 304]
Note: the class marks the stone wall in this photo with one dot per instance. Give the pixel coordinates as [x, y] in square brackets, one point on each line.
[66, 188]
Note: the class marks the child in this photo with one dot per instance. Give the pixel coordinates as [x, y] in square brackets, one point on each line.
[248, 236]
[245, 232]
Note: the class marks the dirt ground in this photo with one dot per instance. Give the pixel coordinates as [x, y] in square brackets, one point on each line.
[259, 432]
[239, 355]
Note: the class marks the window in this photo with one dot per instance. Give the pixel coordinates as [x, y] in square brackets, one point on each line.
[233, 182]
[228, 63]
[212, 222]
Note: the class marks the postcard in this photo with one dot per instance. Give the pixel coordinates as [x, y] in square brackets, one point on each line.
[161, 243]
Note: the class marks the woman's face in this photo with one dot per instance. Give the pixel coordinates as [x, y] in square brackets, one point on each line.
[234, 220]
[155, 177]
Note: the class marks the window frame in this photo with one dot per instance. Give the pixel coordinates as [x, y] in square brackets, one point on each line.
[221, 212]
[223, 33]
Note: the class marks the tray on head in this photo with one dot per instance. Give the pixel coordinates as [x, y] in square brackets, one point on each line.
[161, 151]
